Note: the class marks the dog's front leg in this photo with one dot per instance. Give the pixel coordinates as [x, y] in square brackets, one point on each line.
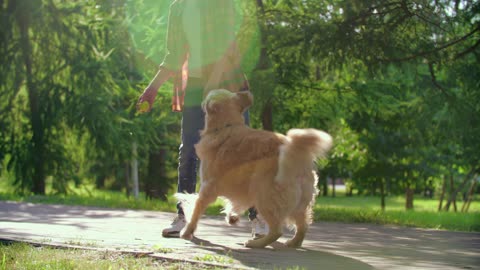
[205, 197]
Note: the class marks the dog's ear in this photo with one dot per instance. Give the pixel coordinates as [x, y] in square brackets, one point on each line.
[244, 99]
[210, 107]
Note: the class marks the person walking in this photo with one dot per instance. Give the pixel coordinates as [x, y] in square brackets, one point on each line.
[202, 55]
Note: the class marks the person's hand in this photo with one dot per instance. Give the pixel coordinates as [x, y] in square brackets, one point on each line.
[145, 101]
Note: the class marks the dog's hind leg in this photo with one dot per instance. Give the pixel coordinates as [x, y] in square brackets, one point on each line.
[205, 197]
[301, 227]
[302, 215]
[275, 231]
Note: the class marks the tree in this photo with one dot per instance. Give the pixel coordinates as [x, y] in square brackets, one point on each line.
[69, 71]
[406, 47]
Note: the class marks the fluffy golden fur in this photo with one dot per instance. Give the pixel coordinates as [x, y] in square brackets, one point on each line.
[248, 167]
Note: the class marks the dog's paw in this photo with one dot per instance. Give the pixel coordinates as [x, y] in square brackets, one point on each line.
[293, 244]
[233, 219]
[248, 244]
[254, 243]
[186, 236]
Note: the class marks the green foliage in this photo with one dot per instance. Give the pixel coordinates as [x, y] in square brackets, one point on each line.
[146, 21]
[394, 72]
[87, 93]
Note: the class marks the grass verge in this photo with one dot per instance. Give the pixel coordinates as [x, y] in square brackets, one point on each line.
[366, 209]
[420, 219]
[97, 198]
[24, 256]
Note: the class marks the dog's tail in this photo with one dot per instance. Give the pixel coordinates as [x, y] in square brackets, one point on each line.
[187, 201]
[298, 155]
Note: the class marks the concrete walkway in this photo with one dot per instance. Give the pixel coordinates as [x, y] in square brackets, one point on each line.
[328, 245]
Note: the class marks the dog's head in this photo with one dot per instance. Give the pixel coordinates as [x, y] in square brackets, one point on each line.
[221, 101]
[224, 107]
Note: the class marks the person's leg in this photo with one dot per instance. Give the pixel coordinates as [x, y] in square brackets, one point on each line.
[252, 212]
[192, 124]
[259, 227]
[246, 117]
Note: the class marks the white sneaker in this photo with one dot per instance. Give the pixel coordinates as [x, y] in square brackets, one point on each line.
[176, 227]
[259, 228]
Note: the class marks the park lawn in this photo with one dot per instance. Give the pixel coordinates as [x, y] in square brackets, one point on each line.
[364, 209]
[392, 203]
[88, 195]
[24, 256]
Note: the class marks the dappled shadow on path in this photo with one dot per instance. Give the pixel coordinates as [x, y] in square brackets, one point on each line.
[385, 247]
[401, 246]
[278, 256]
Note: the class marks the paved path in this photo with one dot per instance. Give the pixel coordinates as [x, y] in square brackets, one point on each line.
[328, 245]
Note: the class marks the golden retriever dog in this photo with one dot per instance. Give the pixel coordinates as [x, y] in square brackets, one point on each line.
[248, 167]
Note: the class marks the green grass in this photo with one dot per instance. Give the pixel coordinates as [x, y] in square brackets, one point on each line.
[214, 258]
[392, 203]
[98, 198]
[24, 256]
[421, 219]
[364, 209]
[88, 196]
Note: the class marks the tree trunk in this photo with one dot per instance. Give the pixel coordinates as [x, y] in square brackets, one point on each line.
[100, 180]
[373, 189]
[388, 185]
[38, 143]
[382, 195]
[127, 178]
[318, 76]
[263, 61]
[264, 64]
[453, 194]
[325, 187]
[471, 190]
[349, 191]
[409, 192]
[134, 165]
[427, 190]
[334, 182]
[442, 194]
[267, 116]
[156, 184]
